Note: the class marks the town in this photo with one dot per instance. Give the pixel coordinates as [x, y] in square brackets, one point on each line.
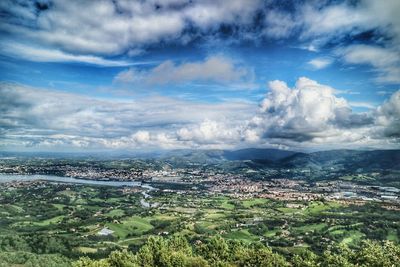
[242, 184]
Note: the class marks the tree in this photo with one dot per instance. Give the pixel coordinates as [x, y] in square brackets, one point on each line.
[305, 258]
[122, 259]
[263, 257]
[86, 262]
[177, 252]
[215, 250]
[374, 254]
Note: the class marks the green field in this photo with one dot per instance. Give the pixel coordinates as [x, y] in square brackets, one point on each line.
[69, 223]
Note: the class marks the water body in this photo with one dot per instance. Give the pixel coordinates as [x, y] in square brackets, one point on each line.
[52, 178]
[4, 178]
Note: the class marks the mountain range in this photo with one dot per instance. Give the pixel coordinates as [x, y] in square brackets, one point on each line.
[367, 159]
[256, 157]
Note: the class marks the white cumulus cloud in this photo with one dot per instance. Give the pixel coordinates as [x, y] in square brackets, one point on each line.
[308, 113]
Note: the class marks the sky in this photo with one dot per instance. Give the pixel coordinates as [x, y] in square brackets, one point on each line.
[119, 75]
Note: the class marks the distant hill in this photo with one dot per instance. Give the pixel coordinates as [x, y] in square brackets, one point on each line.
[351, 159]
[347, 158]
[191, 155]
[257, 154]
[256, 157]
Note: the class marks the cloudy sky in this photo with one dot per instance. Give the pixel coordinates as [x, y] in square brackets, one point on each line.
[170, 74]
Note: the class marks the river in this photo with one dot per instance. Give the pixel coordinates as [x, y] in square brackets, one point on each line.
[52, 178]
[4, 178]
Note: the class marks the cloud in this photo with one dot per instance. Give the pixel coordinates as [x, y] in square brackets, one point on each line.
[320, 63]
[130, 75]
[388, 116]
[307, 115]
[335, 24]
[213, 69]
[218, 69]
[115, 27]
[129, 25]
[335, 20]
[141, 136]
[210, 14]
[62, 31]
[32, 117]
[385, 61]
[360, 104]
[279, 24]
[308, 110]
[51, 55]
[311, 115]
[211, 132]
[319, 24]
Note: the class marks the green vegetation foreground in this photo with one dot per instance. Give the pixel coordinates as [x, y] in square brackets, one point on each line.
[177, 251]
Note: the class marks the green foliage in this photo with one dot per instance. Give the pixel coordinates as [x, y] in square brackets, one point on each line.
[32, 260]
[261, 257]
[64, 219]
[86, 262]
[305, 258]
[216, 251]
[375, 254]
[340, 256]
[175, 251]
[121, 259]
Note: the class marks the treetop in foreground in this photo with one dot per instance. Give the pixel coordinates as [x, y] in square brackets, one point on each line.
[178, 251]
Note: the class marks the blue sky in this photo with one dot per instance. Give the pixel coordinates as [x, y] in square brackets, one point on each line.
[145, 75]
